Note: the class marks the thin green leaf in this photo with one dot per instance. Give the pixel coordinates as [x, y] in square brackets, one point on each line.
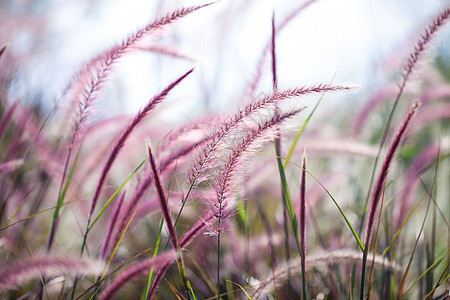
[187, 283]
[242, 212]
[288, 200]
[248, 296]
[119, 241]
[155, 252]
[291, 212]
[435, 264]
[115, 194]
[66, 186]
[36, 214]
[291, 150]
[400, 229]
[27, 218]
[329, 194]
[340, 210]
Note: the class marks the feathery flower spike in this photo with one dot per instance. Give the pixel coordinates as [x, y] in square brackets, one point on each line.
[385, 170]
[162, 200]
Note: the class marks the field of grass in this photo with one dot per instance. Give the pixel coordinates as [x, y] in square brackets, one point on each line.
[280, 199]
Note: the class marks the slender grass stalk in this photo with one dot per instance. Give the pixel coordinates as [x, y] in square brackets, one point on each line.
[273, 53]
[441, 280]
[375, 247]
[303, 223]
[218, 263]
[277, 142]
[433, 224]
[242, 289]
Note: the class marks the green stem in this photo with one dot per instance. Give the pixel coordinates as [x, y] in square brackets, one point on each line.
[363, 272]
[218, 264]
[187, 284]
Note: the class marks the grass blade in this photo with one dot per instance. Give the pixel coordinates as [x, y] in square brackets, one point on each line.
[61, 197]
[155, 252]
[432, 266]
[291, 150]
[115, 194]
[245, 292]
[291, 212]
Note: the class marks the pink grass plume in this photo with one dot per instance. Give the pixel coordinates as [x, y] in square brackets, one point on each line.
[14, 273]
[423, 43]
[225, 127]
[274, 56]
[224, 205]
[162, 200]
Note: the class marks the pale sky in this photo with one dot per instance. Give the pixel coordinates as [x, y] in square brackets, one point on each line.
[350, 40]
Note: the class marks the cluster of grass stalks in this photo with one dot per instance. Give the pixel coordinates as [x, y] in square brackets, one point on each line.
[273, 201]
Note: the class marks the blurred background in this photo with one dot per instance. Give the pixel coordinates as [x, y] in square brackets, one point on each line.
[348, 41]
